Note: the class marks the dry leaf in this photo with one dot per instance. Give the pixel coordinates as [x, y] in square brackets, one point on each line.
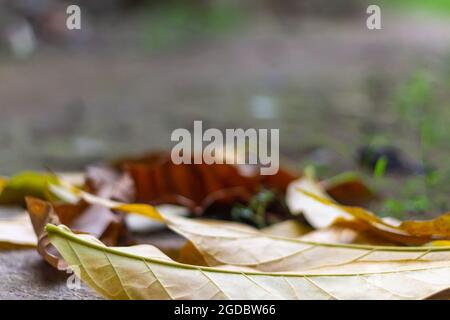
[189, 254]
[144, 272]
[288, 229]
[307, 196]
[107, 182]
[16, 188]
[3, 181]
[141, 224]
[439, 226]
[406, 232]
[41, 213]
[96, 220]
[223, 243]
[17, 232]
[438, 243]
[220, 243]
[197, 186]
[348, 189]
[343, 234]
[298, 203]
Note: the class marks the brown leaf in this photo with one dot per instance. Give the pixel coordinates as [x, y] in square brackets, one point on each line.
[189, 254]
[439, 226]
[96, 220]
[41, 213]
[348, 189]
[108, 182]
[158, 180]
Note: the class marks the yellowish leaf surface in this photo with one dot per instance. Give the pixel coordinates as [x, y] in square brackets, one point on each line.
[439, 226]
[318, 216]
[288, 229]
[2, 183]
[305, 196]
[189, 254]
[144, 272]
[17, 232]
[15, 189]
[224, 243]
[343, 234]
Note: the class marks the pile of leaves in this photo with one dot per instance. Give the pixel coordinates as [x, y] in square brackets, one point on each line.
[286, 236]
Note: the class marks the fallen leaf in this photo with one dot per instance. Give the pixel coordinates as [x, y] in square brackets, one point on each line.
[144, 272]
[17, 232]
[2, 183]
[224, 243]
[96, 220]
[348, 189]
[142, 224]
[318, 216]
[307, 197]
[288, 229]
[189, 254]
[300, 197]
[41, 213]
[406, 232]
[108, 182]
[340, 233]
[16, 188]
[197, 186]
[439, 226]
[438, 243]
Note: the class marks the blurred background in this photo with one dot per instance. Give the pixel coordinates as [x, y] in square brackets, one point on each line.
[345, 98]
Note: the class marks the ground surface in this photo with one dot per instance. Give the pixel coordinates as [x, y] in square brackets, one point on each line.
[24, 275]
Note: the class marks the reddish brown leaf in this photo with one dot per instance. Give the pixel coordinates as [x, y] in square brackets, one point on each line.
[93, 219]
[157, 179]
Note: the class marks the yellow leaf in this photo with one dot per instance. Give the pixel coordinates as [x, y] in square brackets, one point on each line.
[226, 243]
[318, 216]
[144, 272]
[288, 229]
[438, 243]
[2, 183]
[33, 184]
[343, 234]
[17, 232]
[189, 254]
[142, 209]
[322, 212]
[439, 226]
